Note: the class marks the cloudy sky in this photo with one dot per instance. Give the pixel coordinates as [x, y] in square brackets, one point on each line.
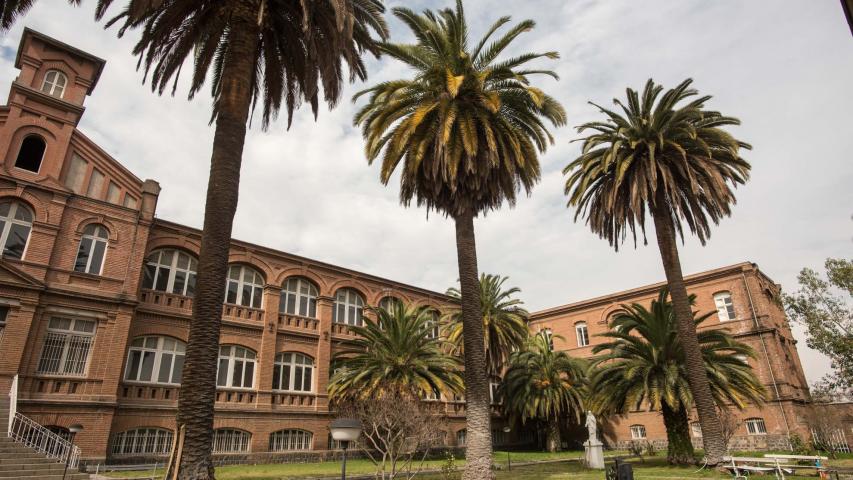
[784, 67]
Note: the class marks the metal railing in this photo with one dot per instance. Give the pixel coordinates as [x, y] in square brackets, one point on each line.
[50, 444]
[13, 402]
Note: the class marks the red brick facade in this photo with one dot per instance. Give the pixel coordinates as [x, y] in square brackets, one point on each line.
[71, 319]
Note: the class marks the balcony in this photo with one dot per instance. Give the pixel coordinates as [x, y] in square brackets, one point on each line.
[159, 393]
[167, 301]
[292, 399]
[235, 397]
[342, 330]
[241, 314]
[296, 323]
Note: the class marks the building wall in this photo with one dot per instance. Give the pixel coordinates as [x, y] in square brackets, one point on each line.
[77, 184]
[759, 321]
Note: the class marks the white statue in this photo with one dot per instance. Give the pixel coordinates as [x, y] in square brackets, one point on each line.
[591, 426]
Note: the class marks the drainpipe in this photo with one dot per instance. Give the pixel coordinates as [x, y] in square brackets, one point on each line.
[767, 357]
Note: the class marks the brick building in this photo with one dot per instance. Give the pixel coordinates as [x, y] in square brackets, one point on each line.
[96, 297]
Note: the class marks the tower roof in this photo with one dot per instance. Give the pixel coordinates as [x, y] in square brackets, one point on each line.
[30, 33]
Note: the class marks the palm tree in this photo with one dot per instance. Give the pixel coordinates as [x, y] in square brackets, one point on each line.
[267, 50]
[396, 351]
[504, 321]
[677, 162]
[543, 384]
[468, 129]
[643, 365]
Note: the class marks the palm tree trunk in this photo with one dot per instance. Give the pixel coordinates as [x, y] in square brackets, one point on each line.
[198, 388]
[478, 443]
[554, 436]
[695, 366]
[680, 449]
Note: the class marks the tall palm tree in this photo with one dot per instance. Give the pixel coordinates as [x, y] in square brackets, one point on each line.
[543, 384]
[396, 351]
[643, 366]
[267, 50]
[504, 321]
[678, 162]
[468, 129]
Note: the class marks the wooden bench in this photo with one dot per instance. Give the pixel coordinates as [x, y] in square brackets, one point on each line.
[787, 459]
[741, 467]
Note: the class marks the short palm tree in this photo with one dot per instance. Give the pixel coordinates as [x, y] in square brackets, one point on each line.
[643, 366]
[395, 351]
[675, 160]
[504, 321]
[543, 384]
[465, 131]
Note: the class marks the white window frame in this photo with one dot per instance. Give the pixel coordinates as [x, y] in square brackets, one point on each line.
[255, 285]
[494, 386]
[54, 85]
[155, 260]
[725, 306]
[388, 302]
[234, 354]
[638, 432]
[351, 305]
[300, 290]
[231, 440]
[293, 361]
[178, 350]
[96, 235]
[582, 334]
[16, 209]
[142, 441]
[291, 440]
[755, 426]
[550, 336]
[59, 344]
[435, 324]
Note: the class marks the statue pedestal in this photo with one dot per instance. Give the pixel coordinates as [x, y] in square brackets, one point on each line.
[594, 454]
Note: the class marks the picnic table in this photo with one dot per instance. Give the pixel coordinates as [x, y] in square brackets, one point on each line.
[780, 465]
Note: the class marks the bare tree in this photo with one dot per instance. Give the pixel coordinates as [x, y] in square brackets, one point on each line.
[399, 431]
[826, 434]
[730, 423]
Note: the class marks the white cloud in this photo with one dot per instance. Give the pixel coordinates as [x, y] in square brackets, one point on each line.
[783, 67]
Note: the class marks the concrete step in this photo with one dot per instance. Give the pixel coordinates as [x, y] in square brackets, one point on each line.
[24, 458]
[49, 476]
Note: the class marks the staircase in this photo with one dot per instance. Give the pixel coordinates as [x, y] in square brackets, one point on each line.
[19, 461]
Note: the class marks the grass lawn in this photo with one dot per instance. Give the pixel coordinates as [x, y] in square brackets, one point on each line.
[652, 469]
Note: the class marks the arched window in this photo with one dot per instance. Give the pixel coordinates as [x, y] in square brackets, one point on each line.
[287, 440]
[54, 83]
[170, 270]
[31, 154]
[142, 441]
[389, 303]
[433, 323]
[155, 360]
[582, 333]
[299, 297]
[244, 286]
[348, 307]
[293, 372]
[755, 426]
[231, 440]
[725, 306]
[93, 246]
[236, 367]
[461, 436]
[16, 221]
[638, 432]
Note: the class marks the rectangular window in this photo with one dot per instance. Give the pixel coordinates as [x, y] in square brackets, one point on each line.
[582, 334]
[755, 426]
[725, 306]
[76, 173]
[129, 201]
[113, 193]
[96, 184]
[67, 346]
[4, 312]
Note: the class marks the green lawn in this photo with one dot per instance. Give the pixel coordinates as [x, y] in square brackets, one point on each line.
[652, 469]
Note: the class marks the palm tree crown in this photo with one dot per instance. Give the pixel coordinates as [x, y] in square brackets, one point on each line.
[644, 362]
[659, 154]
[300, 49]
[542, 382]
[504, 321]
[396, 351]
[467, 127]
